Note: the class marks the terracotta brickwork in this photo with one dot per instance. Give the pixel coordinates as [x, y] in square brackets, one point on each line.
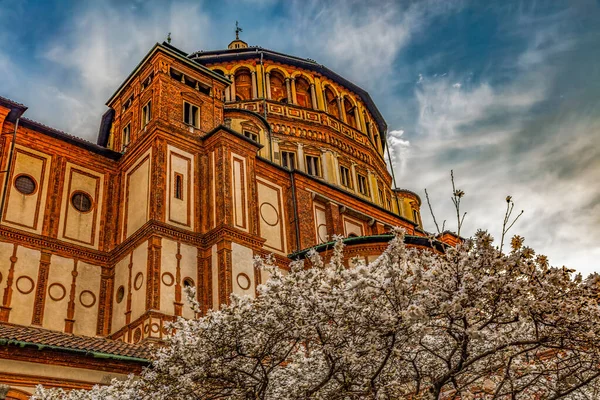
[188, 183]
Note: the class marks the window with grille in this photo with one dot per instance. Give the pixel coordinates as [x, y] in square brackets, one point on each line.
[146, 113]
[178, 186]
[25, 184]
[345, 177]
[313, 166]
[288, 159]
[126, 135]
[81, 201]
[191, 114]
[363, 187]
[251, 136]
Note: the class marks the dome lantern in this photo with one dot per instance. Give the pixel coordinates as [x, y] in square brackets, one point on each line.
[237, 43]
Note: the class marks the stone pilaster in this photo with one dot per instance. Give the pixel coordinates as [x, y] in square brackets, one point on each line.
[293, 86]
[224, 265]
[70, 320]
[268, 84]
[41, 289]
[153, 274]
[6, 299]
[254, 86]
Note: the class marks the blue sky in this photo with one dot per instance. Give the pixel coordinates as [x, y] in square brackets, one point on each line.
[505, 93]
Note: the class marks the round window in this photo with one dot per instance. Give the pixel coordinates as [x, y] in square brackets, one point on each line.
[81, 201]
[25, 184]
[120, 294]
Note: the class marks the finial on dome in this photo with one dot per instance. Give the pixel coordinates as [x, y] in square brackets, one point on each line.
[237, 43]
[237, 31]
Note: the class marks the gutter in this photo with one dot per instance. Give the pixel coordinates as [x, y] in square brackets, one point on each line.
[95, 354]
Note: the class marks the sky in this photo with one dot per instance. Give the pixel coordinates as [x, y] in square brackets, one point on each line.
[504, 93]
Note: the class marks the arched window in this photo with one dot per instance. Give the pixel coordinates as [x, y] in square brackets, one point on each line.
[243, 85]
[332, 105]
[303, 93]
[349, 111]
[278, 90]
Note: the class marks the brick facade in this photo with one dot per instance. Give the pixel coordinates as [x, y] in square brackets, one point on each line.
[185, 185]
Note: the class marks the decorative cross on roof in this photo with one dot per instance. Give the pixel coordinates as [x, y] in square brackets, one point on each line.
[237, 31]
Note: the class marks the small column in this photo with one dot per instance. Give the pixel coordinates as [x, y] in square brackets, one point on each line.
[363, 123]
[325, 105]
[294, 99]
[372, 186]
[313, 96]
[341, 109]
[268, 83]
[301, 161]
[357, 118]
[354, 178]
[275, 144]
[254, 88]
[288, 90]
[324, 166]
[232, 87]
[336, 169]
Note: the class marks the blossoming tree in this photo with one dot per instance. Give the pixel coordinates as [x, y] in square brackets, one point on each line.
[414, 324]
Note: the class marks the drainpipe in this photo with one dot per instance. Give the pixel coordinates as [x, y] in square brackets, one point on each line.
[262, 71]
[294, 203]
[8, 169]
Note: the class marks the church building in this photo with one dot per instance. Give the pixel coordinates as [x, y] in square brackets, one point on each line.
[202, 162]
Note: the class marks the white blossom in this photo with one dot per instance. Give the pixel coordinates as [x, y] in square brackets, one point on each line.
[413, 324]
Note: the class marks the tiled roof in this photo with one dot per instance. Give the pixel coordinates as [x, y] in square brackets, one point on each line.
[74, 140]
[17, 334]
[11, 102]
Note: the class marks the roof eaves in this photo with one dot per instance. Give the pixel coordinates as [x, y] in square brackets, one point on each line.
[16, 109]
[174, 52]
[74, 140]
[383, 238]
[95, 354]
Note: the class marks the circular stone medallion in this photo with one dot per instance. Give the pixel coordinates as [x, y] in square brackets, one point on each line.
[87, 298]
[269, 214]
[243, 281]
[57, 292]
[25, 284]
[138, 281]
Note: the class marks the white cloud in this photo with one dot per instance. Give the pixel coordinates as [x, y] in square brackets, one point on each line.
[491, 137]
[95, 50]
